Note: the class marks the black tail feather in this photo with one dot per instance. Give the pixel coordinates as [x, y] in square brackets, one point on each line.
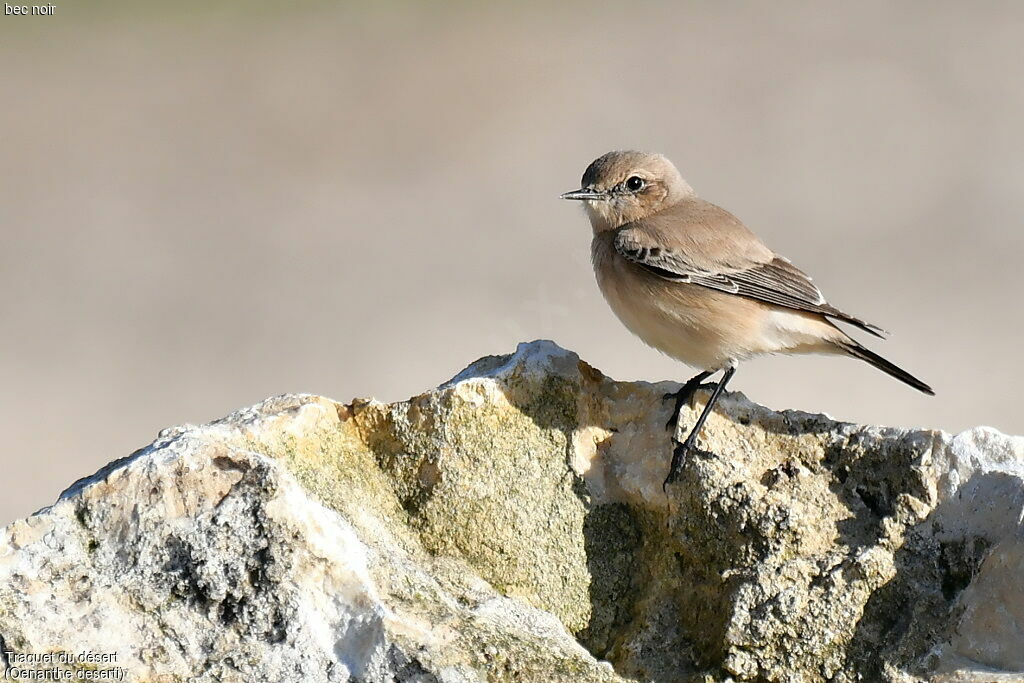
[858, 351]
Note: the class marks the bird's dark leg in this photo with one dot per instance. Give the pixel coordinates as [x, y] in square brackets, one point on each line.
[684, 395]
[681, 450]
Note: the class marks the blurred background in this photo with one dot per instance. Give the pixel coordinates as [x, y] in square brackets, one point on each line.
[205, 204]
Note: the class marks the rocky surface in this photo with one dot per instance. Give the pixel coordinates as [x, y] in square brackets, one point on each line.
[511, 525]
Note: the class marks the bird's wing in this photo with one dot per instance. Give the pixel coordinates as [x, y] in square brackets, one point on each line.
[707, 246]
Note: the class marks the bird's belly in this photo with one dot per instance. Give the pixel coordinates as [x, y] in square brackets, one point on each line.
[700, 328]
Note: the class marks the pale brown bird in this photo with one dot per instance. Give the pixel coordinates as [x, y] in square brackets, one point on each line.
[691, 280]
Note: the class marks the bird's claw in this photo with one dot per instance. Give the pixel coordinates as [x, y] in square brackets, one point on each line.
[679, 453]
[680, 397]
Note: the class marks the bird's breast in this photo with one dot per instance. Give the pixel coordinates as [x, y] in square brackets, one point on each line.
[696, 325]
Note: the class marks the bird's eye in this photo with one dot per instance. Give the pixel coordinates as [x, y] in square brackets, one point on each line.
[635, 183]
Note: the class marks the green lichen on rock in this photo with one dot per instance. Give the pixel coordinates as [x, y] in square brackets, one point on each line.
[494, 489]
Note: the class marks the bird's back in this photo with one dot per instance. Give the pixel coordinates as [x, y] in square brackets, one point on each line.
[711, 238]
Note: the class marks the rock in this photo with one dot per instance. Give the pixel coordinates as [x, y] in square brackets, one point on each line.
[511, 525]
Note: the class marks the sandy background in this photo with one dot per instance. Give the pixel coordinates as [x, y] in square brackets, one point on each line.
[203, 206]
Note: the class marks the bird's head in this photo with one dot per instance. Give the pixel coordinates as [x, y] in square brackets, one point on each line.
[622, 187]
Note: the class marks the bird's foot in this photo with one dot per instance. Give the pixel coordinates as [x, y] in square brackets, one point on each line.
[682, 397]
[679, 454]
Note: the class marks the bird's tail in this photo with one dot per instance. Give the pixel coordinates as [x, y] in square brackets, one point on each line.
[858, 351]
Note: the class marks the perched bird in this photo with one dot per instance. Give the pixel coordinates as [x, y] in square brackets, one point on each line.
[691, 280]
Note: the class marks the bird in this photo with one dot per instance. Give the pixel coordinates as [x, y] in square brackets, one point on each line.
[691, 280]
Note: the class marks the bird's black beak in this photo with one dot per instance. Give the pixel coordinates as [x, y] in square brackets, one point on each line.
[583, 194]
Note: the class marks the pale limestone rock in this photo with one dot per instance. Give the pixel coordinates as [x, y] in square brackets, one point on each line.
[511, 525]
